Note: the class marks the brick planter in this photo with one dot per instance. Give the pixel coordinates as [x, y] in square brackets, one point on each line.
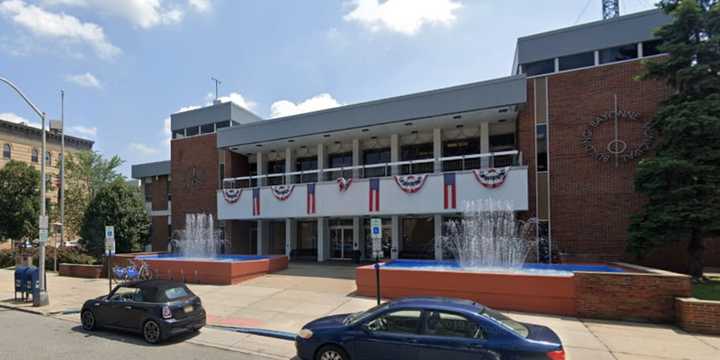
[81, 270]
[698, 316]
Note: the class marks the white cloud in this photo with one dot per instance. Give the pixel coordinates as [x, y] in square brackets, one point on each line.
[83, 131]
[238, 99]
[143, 150]
[200, 5]
[85, 80]
[12, 117]
[286, 108]
[142, 13]
[49, 25]
[403, 16]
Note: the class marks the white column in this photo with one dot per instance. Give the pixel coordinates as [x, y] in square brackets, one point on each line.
[290, 238]
[485, 142]
[395, 152]
[321, 159]
[437, 149]
[289, 165]
[438, 237]
[322, 244]
[260, 247]
[395, 249]
[261, 162]
[357, 236]
[356, 157]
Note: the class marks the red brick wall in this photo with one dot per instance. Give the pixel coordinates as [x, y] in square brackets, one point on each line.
[194, 169]
[159, 236]
[158, 190]
[526, 144]
[698, 316]
[630, 296]
[81, 270]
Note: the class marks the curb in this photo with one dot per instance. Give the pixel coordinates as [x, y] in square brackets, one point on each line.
[29, 311]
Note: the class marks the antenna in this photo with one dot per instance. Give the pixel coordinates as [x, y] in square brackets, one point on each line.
[217, 84]
[610, 9]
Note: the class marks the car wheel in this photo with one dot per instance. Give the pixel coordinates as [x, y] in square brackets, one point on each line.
[331, 352]
[88, 320]
[151, 332]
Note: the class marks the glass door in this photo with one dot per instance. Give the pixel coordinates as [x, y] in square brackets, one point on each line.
[341, 242]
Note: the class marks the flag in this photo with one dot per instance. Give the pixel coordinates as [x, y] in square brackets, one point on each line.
[374, 195]
[449, 191]
[310, 198]
[256, 202]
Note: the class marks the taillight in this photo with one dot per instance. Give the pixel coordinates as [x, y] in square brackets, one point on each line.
[166, 313]
[556, 355]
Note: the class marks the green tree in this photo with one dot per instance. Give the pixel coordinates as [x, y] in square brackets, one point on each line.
[19, 201]
[682, 181]
[119, 205]
[86, 173]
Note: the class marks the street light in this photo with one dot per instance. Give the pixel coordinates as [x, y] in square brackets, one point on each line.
[42, 298]
[59, 125]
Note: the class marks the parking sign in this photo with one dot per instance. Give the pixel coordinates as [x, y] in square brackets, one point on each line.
[376, 235]
[110, 240]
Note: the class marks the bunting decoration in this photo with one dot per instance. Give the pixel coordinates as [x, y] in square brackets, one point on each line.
[310, 198]
[344, 183]
[374, 195]
[491, 178]
[232, 195]
[282, 192]
[410, 183]
[256, 202]
[449, 191]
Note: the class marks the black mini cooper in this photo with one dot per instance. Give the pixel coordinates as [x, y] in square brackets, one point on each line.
[157, 309]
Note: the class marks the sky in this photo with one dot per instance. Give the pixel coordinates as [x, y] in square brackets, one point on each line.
[126, 65]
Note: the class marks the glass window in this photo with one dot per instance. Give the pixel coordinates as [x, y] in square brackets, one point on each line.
[221, 175]
[417, 152]
[252, 171]
[398, 322]
[650, 48]
[539, 67]
[191, 131]
[509, 323]
[35, 156]
[276, 167]
[124, 293]
[169, 190]
[7, 151]
[207, 128]
[305, 164]
[618, 53]
[542, 155]
[222, 124]
[376, 156]
[452, 325]
[543, 234]
[148, 192]
[340, 160]
[307, 238]
[577, 61]
[499, 143]
[178, 134]
[177, 292]
[461, 147]
[417, 236]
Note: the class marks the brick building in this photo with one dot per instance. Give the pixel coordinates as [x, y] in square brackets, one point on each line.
[557, 140]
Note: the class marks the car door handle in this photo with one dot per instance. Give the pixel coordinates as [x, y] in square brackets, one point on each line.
[128, 307]
[411, 340]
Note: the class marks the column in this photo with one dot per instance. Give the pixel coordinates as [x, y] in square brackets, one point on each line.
[356, 157]
[485, 143]
[437, 149]
[395, 249]
[290, 236]
[323, 240]
[321, 159]
[395, 152]
[357, 236]
[260, 247]
[289, 223]
[438, 237]
[261, 162]
[289, 165]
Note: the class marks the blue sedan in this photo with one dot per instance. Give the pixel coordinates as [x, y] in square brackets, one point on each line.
[426, 328]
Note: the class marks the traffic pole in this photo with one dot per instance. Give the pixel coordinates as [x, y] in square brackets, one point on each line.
[377, 277]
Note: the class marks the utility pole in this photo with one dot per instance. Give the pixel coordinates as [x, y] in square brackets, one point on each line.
[62, 175]
[217, 84]
[610, 9]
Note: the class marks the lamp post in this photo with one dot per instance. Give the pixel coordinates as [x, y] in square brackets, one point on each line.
[42, 298]
[59, 126]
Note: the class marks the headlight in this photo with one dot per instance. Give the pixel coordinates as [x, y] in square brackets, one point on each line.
[305, 334]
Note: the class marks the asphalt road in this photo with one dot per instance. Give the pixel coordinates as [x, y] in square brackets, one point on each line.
[30, 336]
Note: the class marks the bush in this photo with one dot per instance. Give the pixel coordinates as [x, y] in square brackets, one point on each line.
[65, 256]
[6, 259]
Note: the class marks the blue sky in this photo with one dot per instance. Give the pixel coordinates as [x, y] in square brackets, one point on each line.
[126, 65]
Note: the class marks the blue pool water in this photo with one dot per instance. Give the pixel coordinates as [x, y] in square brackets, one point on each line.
[221, 258]
[560, 269]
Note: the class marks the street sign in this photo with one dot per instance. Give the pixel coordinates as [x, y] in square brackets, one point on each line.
[43, 238]
[43, 220]
[110, 240]
[376, 235]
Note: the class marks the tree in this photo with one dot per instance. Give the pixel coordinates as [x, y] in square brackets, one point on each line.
[19, 201]
[86, 174]
[121, 206]
[682, 181]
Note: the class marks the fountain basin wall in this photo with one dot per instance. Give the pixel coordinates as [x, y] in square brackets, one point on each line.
[224, 270]
[631, 293]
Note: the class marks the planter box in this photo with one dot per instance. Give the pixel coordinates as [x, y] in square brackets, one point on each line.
[81, 270]
[698, 316]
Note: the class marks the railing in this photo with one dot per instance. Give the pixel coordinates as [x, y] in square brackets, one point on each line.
[450, 163]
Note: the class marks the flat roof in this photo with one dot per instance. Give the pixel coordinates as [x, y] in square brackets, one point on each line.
[621, 30]
[488, 94]
[51, 136]
[212, 114]
[157, 168]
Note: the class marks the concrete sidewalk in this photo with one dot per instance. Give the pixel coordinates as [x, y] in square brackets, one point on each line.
[287, 300]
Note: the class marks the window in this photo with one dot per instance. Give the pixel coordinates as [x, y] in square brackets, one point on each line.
[221, 176]
[543, 235]
[417, 236]
[539, 67]
[417, 152]
[541, 140]
[7, 152]
[48, 158]
[169, 190]
[191, 131]
[35, 156]
[458, 148]
[507, 322]
[148, 192]
[276, 167]
[340, 160]
[124, 293]
[650, 48]
[398, 322]
[451, 325]
[306, 164]
[178, 134]
[618, 53]
[499, 143]
[577, 61]
[207, 128]
[252, 171]
[175, 293]
[222, 124]
[376, 156]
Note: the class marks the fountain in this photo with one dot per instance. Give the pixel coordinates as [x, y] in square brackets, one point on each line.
[199, 239]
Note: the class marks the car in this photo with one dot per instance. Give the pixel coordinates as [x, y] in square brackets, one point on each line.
[157, 309]
[426, 328]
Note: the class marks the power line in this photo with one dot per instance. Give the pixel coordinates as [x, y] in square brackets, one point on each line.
[583, 11]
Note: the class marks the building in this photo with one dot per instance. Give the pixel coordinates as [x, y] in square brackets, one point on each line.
[558, 140]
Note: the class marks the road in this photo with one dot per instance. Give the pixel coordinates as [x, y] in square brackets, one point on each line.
[30, 336]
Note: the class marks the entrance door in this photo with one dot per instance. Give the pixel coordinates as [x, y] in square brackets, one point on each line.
[341, 242]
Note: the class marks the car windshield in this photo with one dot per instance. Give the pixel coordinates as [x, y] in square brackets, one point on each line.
[360, 316]
[175, 293]
[507, 322]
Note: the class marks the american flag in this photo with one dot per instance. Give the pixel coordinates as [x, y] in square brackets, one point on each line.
[374, 195]
[449, 191]
[256, 202]
[310, 198]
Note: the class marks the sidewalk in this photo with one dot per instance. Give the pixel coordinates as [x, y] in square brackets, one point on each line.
[287, 300]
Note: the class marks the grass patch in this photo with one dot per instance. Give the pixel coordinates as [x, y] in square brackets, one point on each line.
[709, 290]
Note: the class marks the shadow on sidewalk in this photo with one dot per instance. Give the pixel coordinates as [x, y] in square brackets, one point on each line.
[130, 337]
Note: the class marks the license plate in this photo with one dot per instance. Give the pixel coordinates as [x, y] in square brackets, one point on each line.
[188, 309]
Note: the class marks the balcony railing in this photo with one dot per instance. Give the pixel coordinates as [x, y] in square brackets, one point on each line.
[450, 163]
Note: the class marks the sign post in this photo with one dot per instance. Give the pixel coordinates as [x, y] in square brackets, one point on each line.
[376, 235]
[109, 252]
